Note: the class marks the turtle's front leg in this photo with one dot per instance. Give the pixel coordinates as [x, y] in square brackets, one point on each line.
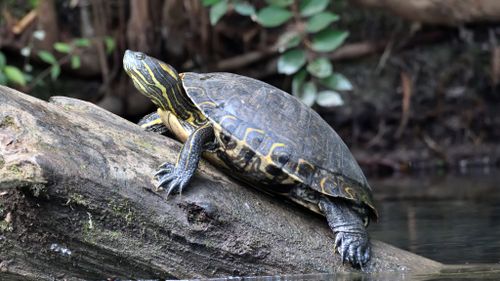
[153, 123]
[351, 237]
[175, 177]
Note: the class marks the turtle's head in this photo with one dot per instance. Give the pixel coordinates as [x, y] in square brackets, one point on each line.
[154, 78]
[162, 84]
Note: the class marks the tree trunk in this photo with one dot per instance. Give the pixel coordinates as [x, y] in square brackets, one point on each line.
[77, 201]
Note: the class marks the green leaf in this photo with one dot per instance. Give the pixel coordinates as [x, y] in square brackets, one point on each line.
[217, 11]
[309, 93]
[311, 7]
[244, 8]
[82, 42]
[328, 40]
[110, 44]
[320, 21]
[14, 75]
[207, 3]
[33, 3]
[289, 40]
[291, 61]
[298, 82]
[75, 62]
[62, 47]
[280, 3]
[272, 16]
[337, 82]
[329, 99]
[55, 71]
[3, 60]
[47, 57]
[320, 67]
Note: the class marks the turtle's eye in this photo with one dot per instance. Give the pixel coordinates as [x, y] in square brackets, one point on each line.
[140, 56]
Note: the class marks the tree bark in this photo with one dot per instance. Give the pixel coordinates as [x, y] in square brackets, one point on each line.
[449, 12]
[47, 21]
[77, 201]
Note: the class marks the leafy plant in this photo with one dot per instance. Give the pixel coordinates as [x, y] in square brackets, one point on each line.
[71, 54]
[304, 48]
[10, 74]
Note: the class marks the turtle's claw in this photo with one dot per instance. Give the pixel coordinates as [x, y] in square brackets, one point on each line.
[176, 185]
[353, 247]
[165, 168]
[171, 179]
[166, 175]
[171, 187]
[345, 257]
[164, 179]
[338, 242]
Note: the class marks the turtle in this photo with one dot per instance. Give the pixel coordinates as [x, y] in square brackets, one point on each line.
[263, 136]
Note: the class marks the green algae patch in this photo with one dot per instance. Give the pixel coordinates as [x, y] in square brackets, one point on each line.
[122, 210]
[78, 199]
[7, 121]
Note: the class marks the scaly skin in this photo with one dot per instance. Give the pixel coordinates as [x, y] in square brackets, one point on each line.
[175, 177]
[153, 123]
[351, 237]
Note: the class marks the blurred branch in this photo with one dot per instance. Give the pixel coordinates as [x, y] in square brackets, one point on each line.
[245, 59]
[407, 86]
[347, 51]
[28, 19]
[450, 12]
[46, 72]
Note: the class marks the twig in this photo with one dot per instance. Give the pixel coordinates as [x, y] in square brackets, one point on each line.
[24, 22]
[434, 146]
[382, 129]
[495, 60]
[385, 56]
[46, 72]
[356, 50]
[405, 110]
[245, 59]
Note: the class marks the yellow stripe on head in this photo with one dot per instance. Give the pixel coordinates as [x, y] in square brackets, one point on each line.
[141, 81]
[169, 70]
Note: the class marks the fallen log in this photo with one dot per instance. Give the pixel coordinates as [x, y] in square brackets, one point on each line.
[449, 12]
[77, 202]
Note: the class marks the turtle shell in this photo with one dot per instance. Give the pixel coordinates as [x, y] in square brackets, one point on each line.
[278, 128]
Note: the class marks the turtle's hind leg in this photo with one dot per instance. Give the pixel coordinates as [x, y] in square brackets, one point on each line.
[351, 238]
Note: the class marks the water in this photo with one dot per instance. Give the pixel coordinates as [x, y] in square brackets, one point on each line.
[453, 219]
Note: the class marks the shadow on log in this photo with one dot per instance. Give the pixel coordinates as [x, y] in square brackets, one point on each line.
[76, 201]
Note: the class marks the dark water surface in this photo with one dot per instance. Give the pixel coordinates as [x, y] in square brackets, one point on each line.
[453, 219]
